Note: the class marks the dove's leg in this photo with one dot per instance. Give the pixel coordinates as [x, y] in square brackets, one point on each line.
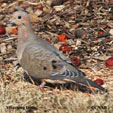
[42, 84]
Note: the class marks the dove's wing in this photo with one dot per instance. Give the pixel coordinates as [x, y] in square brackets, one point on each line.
[42, 62]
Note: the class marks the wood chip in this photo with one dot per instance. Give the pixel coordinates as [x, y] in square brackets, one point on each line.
[59, 8]
[3, 48]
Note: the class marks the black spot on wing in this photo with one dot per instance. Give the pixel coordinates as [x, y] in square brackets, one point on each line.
[54, 66]
[45, 68]
[53, 61]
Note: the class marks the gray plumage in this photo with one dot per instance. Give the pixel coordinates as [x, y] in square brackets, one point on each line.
[43, 61]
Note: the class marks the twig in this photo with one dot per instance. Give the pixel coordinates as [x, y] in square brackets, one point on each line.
[10, 59]
[9, 6]
[12, 38]
[31, 3]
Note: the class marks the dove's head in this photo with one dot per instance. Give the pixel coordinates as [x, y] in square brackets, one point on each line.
[20, 18]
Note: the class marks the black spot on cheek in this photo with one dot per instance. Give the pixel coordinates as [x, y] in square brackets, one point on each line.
[45, 68]
[54, 67]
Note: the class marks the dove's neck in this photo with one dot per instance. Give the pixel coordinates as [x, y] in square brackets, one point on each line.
[25, 35]
[24, 32]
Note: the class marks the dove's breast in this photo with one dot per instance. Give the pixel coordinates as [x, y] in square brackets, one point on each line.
[20, 50]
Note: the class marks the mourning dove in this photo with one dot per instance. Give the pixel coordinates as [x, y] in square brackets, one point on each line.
[43, 61]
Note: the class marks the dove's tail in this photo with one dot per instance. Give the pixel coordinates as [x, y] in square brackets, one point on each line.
[82, 80]
[88, 82]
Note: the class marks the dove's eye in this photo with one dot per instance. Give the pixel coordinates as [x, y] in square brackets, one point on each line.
[19, 17]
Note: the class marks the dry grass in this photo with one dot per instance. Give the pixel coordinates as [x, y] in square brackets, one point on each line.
[17, 93]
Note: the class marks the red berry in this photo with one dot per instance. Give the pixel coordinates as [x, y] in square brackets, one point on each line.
[7, 77]
[99, 81]
[62, 38]
[15, 30]
[75, 61]
[109, 62]
[64, 48]
[40, 7]
[2, 30]
[100, 32]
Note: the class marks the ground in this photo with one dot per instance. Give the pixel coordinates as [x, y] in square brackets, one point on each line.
[88, 27]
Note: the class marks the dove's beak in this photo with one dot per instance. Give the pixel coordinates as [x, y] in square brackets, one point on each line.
[10, 21]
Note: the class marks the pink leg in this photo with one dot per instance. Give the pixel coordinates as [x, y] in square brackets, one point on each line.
[41, 85]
